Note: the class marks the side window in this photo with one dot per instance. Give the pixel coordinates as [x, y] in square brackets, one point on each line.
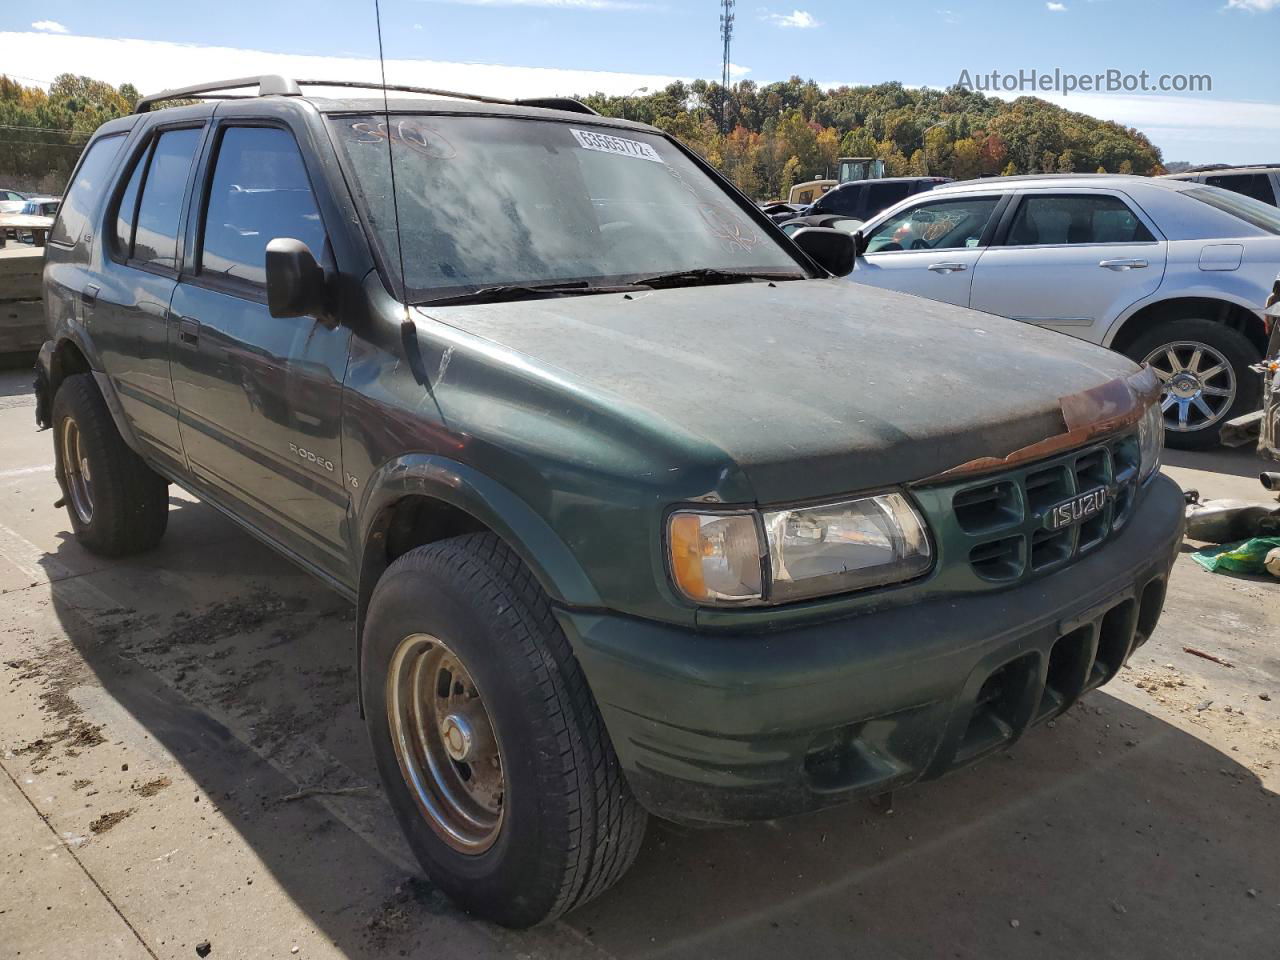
[90, 180]
[1080, 218]
[941, 225]
[843, 201]
[1256, 185]
[882, 196]
[127, 212]
[155, 238]
[259, 192]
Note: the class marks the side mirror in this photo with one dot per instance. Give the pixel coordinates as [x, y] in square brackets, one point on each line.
[860, 241]
[295, 282]
[829, 248]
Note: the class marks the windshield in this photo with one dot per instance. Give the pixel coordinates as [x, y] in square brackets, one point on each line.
[487, 201]
[1251, 211]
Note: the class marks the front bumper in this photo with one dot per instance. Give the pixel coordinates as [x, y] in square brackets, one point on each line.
[723, 728]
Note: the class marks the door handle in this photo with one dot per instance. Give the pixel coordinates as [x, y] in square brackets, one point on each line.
[1121, 265]
[189, 331]
[948, 267]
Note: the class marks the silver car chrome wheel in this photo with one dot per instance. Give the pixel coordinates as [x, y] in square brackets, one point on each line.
[75, 466]
[1199, 384]
[445, 743]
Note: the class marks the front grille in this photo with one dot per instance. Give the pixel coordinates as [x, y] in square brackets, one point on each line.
[1001, 519]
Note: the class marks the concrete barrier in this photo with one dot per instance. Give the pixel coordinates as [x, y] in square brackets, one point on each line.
[21, 310]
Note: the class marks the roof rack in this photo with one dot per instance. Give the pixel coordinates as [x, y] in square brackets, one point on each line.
[271, 85]
[268, 85]
[1210, 167]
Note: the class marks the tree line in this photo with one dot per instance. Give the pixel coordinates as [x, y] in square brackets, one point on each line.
[42, 132]
[766, 138]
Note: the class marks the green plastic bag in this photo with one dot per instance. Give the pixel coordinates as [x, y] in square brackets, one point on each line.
[1247, 556]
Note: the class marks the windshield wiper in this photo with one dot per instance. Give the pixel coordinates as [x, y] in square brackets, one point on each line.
[517, 291]
[710, 275]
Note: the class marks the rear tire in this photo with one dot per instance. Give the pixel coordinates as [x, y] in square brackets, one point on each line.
[1226, 394]
[565, 825]
[117, 504]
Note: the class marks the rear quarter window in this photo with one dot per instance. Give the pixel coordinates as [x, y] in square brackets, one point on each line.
[87, 186]
[1251, 211]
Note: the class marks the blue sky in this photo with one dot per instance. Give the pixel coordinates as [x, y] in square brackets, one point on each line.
[916, 41]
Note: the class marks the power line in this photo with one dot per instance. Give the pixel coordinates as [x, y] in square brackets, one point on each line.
[43, 143]
[63, 130]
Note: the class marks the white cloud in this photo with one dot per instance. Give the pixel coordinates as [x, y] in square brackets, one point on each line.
[49, 26]
[1254, 6]
[553, 4]
[797, 19]
[736, 70]
[152, 65]
[1056, 7]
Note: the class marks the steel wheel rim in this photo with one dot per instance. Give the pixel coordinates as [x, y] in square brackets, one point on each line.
[1198, 384]
[445, 743]
[76, 467]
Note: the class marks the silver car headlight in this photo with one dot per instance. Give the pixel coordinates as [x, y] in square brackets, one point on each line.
[1150, 440]
[799, 553]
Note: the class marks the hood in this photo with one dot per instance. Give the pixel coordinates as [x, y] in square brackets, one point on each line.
[812, 387]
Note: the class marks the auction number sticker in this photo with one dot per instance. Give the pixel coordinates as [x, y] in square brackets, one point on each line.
[606, 143]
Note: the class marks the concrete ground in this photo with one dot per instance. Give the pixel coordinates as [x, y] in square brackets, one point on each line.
[183, 763]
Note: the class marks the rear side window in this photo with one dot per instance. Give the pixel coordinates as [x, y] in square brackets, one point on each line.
[1251, 211]
[1081, 218]
[127, 212]
[882, 196]
[844, 202]
[89, 182]
[259, 192]
[1256, 185]
[155, 238]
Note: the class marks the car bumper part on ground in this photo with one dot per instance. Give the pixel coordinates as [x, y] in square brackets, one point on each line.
[719, 728]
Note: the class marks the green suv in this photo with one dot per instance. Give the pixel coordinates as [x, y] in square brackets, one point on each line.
[643, 509]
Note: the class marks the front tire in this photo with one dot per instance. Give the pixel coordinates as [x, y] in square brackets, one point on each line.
[117, 504]
[489, 742]
[1204, 367]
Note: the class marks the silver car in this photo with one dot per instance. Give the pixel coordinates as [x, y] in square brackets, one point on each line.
[1171, 273]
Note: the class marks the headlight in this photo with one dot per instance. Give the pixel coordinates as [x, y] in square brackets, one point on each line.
[1151, 439]
[844, 546]
[807, 552]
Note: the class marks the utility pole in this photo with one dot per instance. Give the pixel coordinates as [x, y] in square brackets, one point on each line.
[726, 34]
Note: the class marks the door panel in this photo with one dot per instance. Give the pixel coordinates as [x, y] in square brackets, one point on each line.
[260, 397]
[1071, 262]
[260, 401]
[131, 308]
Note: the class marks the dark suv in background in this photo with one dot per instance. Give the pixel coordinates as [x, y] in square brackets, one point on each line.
[863, 199]
[1260, 181]
[642, 510]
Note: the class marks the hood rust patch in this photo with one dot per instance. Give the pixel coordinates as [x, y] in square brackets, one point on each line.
[1092, 413]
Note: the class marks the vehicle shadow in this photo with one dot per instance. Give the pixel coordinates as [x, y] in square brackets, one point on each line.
[1240, 462]
[1110, 834]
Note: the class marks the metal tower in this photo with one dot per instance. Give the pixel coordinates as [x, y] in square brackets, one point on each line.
[726, 34]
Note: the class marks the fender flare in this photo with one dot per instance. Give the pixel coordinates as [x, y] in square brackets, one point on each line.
[72, 333]
[547, 556]
[1159, 297]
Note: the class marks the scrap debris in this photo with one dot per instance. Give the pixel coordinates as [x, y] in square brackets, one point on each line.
[1208, 656]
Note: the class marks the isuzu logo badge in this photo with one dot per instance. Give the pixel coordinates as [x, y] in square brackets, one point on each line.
[1076, 510]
